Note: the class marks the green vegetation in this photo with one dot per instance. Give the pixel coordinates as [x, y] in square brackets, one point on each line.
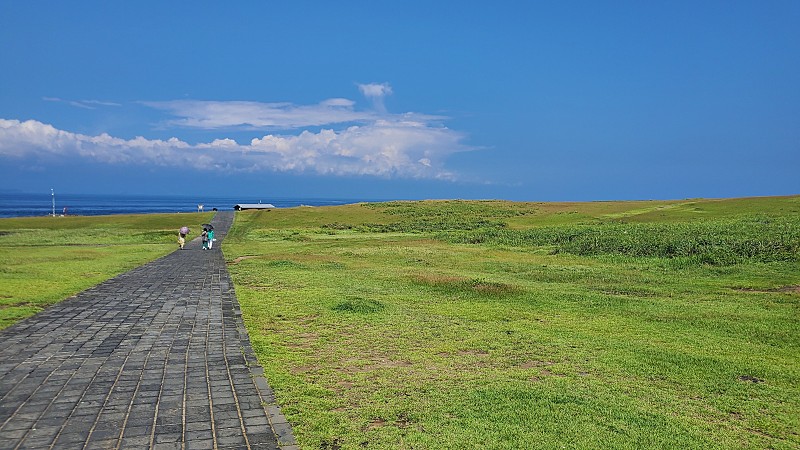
[460, 324]
[46, 259]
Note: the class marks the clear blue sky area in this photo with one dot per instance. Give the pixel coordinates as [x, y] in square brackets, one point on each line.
[519, 100]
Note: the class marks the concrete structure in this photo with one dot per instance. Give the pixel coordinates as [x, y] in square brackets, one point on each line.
[243, 206]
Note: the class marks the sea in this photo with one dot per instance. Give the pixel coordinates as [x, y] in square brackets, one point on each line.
[45, 204]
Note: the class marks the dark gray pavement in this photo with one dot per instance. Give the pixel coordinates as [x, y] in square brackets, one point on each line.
[157, 357]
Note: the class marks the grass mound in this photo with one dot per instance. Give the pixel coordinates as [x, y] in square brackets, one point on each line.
[358, 305]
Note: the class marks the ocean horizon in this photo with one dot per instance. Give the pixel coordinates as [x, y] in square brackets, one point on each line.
[17, 204]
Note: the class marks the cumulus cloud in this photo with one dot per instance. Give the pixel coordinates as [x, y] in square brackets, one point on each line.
[387, 148]
[346, 141]
[19, 139]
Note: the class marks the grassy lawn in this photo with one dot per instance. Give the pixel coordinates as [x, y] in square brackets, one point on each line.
[518, 325]
[44, 260]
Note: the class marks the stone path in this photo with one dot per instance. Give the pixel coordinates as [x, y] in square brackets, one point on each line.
[157, 357]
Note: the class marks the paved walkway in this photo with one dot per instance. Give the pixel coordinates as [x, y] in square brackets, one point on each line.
[157, 357]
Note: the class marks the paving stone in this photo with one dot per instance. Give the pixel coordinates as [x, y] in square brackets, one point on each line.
[36, 443]
[283, 431]
[105, 434]
[156, 337]
[199, 435]
[101, 445]
[138, 431]
[234, 441]
[163, 436]
[135, 442]
[199, 445]
[15, 435]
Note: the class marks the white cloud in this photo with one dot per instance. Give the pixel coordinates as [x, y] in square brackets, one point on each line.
[213, 115]
[376, 92]
[375, 89]
[338, 102]
[100, 103]
[348, 141]
[387, 148]
[19, 139]
[276, 116]
[85, 104]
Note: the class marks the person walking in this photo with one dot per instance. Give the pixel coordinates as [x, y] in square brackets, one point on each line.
[210, 238]
[182, 236]
[204, 236]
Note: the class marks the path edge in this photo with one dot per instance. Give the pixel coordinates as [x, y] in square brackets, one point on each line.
[281, 427]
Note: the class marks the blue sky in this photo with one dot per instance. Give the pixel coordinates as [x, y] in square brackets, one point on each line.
[370, 100]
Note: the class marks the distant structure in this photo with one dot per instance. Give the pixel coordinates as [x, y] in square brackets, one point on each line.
[199, 208]
[243, 206]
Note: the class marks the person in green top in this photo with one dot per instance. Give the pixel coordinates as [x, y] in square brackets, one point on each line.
[210, 238]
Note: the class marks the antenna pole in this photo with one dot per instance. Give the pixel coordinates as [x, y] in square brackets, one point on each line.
[53, 193]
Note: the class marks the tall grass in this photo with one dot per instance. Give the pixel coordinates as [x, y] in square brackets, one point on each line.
[721, 242]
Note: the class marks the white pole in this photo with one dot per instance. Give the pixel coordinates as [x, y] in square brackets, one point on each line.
[53, 193]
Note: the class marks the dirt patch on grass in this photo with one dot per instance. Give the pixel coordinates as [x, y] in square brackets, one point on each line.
[792, 289]
[547, 373]
[21, 305]
[375, 423]
[242, 258]
[403, 421]
[750, 379]
[544, 373]
[342, 386]
[535, 363]
[301, 369]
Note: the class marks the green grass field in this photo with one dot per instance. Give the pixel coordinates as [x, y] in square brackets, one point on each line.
[455, 324]
[489, 324]
[46, 259]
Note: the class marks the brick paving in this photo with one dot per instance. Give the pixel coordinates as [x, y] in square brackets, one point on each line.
[157, 358]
